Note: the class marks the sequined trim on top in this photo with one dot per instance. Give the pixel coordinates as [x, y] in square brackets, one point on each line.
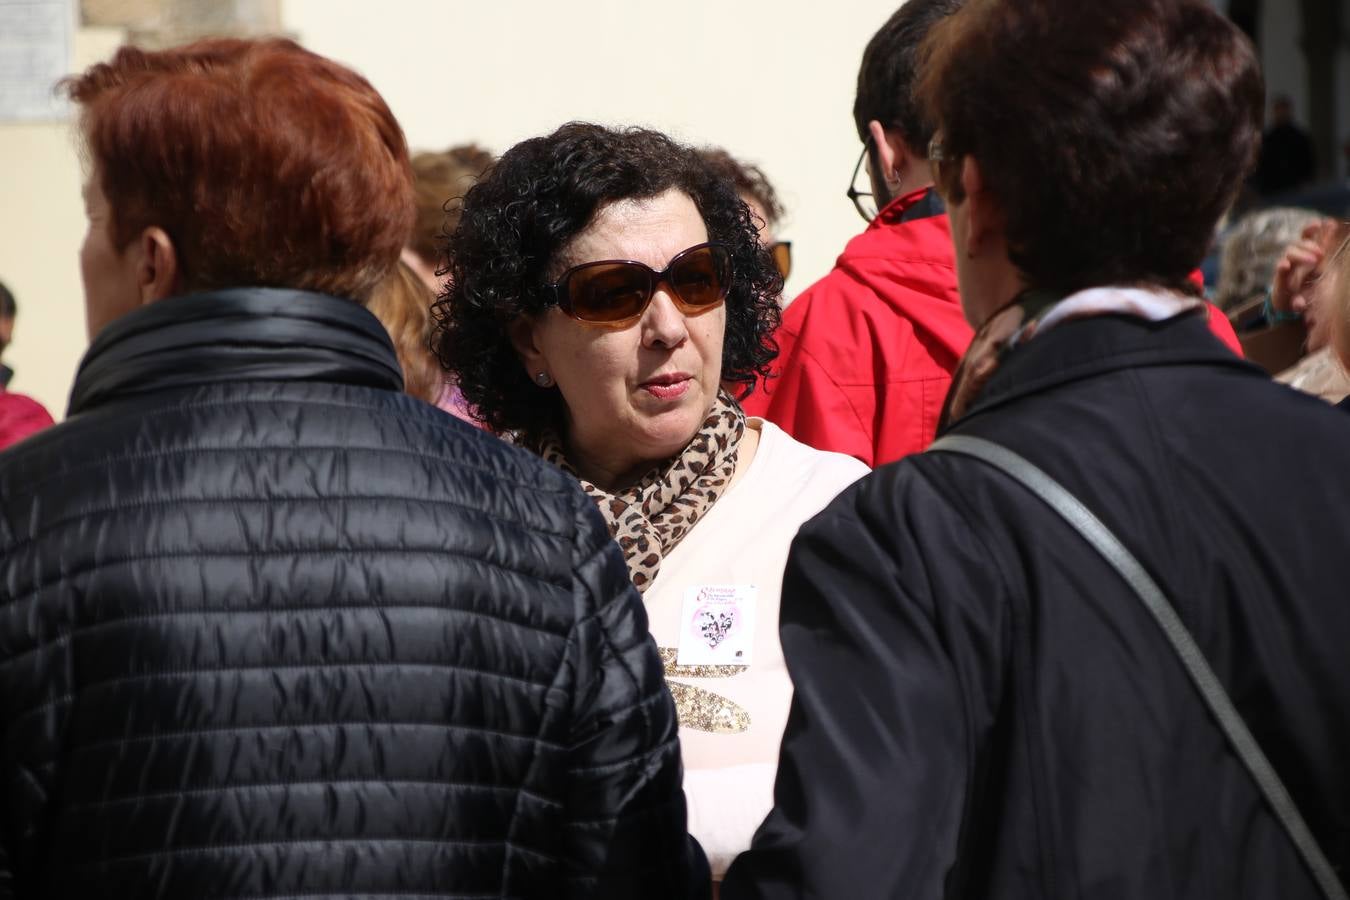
[670, 654]
[699, 709]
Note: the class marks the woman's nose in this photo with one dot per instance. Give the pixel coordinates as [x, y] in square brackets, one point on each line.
[663, 325]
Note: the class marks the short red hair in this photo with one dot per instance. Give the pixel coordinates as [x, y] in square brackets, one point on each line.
[266, 164]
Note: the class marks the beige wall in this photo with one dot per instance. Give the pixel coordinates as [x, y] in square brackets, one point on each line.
[41, 227]
[771, 81]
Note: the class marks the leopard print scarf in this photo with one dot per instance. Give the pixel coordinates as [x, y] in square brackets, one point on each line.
[651, 517]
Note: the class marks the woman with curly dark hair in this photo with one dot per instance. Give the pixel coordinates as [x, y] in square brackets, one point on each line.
[607, 293]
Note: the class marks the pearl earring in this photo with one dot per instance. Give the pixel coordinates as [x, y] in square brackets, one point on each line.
[543, 380]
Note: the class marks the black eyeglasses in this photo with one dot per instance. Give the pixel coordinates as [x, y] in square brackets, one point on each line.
[936, 158]
[782, 257]
[616, 292]
[863, 201]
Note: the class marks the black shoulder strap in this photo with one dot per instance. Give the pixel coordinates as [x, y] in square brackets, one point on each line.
[1216, 698]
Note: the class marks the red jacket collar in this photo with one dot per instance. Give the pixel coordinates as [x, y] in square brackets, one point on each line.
[895, 212]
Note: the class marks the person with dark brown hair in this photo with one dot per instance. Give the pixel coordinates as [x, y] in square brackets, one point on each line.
[754, 187]
[268, 626]
[751, 184]
[1092, 643]
[440, 181]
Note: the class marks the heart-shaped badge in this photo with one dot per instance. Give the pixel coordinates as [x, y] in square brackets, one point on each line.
[715, 626]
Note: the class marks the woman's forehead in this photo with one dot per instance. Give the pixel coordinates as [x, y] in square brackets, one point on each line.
[650, 230]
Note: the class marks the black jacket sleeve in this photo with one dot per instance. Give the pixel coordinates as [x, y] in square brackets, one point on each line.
[6, 863]
[625, 822]
[6, 875]
[35, 698]
[891, 637]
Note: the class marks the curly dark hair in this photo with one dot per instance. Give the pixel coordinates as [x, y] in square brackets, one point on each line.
[523, 213]
[750, 180]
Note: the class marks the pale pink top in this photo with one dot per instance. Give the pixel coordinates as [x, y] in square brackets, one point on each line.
[743, 540]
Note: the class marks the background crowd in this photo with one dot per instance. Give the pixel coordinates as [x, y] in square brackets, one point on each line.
[453, 524]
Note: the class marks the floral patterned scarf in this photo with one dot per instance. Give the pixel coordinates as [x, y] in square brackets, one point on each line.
[1036, 312]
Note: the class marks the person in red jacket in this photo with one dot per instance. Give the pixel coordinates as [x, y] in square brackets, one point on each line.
[866, 354]
[20, 416]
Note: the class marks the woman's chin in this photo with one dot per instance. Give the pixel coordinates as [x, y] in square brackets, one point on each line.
[667, 432]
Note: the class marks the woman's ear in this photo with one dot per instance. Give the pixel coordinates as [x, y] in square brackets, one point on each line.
[523, 333]
[985, 221]
[157, 272]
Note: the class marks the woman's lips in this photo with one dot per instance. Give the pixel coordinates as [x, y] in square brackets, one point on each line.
[668, 387]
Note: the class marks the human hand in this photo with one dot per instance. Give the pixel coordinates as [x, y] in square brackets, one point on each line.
[1298, 268]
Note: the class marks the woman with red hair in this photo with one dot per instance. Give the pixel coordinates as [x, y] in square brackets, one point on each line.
[269, 626]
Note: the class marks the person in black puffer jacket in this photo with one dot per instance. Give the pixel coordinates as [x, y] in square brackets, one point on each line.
[269, 627]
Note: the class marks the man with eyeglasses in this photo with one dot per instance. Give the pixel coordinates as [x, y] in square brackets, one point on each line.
[867, 352]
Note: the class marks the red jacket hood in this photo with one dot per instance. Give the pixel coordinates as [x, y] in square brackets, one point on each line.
[906, 265]
[868, 350]
[20, 416]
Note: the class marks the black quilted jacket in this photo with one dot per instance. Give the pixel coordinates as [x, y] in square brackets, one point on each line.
[270, 628]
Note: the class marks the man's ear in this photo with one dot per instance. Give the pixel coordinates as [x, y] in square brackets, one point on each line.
[522, 334]
[157, 271]
[890, 154]
[985, 222]
[903, 169]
